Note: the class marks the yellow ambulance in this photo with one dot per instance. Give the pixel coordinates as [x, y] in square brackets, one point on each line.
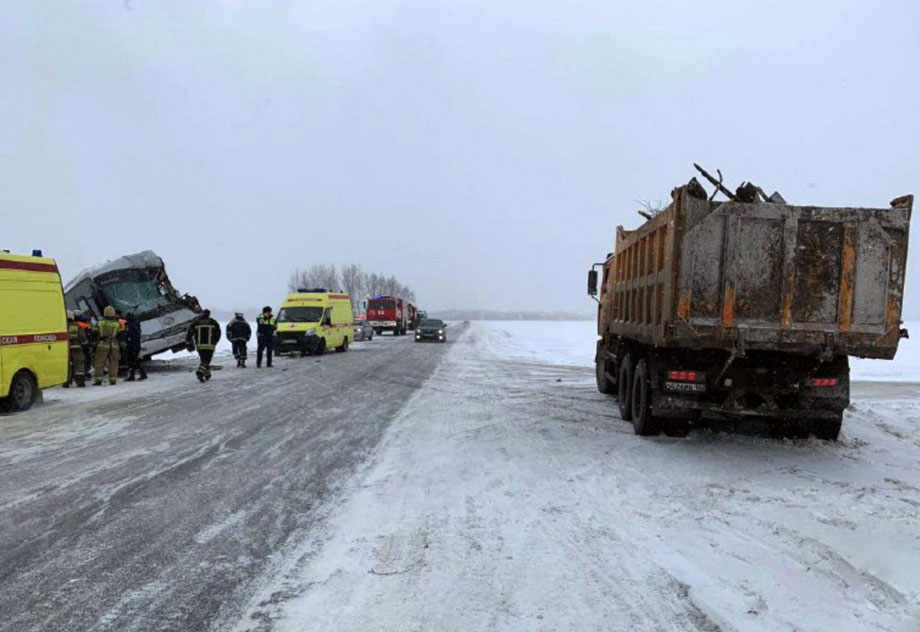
[312, 321]
[33, 329]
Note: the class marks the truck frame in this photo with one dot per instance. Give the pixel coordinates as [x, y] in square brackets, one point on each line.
[747, 309]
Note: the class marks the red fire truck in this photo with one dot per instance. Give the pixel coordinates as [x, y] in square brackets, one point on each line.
[388, 313]
[412, 316]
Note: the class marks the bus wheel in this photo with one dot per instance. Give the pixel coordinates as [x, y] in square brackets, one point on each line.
[643, 422]
[22, 391]
[343, 347]
[624, 387]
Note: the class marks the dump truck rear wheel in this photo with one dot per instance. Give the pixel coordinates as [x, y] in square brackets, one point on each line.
[604, 385]
[643, 422]
[827, 429]
[624, 387]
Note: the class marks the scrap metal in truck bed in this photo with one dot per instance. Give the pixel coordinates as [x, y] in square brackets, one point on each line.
[714, 287]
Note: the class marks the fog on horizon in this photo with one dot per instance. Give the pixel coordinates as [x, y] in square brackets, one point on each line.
[482, 152]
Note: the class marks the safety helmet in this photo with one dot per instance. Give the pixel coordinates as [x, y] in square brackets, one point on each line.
[70, 314]
[109, 311]
[239, 315]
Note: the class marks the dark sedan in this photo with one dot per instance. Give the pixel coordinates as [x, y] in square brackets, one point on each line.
[431, 329]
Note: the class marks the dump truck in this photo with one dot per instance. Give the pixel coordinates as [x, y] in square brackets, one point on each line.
[747, 307]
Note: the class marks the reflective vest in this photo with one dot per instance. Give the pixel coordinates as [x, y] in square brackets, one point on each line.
[266, 325]
[108, 330]
[205, 334]
[77, 334]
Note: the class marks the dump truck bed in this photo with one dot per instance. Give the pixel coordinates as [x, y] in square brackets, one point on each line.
[732, 275]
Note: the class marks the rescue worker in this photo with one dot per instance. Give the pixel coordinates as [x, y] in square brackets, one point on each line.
[77, 367]
[203, 336]
[108, 346]
[88, 348]
[265, 332]
[238, 333]
[133, 348]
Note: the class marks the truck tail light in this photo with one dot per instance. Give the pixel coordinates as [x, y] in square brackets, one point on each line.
[686, 376]
[821, 382]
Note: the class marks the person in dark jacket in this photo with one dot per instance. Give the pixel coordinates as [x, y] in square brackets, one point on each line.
[265, 332]
[203, 336]
[238, 333]
[133, 348]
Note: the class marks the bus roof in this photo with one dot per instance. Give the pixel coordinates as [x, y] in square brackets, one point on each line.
[140, 260]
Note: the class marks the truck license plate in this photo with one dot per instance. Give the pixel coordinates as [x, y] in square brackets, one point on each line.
[685, 386]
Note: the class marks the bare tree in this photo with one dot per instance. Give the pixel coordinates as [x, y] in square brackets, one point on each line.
[353, 278]
[298, 279]
[391, 286]
[372, 284]
[317, 275]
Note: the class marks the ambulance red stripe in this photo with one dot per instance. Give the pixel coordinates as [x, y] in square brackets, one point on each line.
[28, 266]
[31, 339]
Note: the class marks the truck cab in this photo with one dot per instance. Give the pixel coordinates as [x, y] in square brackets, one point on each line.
[388, 313]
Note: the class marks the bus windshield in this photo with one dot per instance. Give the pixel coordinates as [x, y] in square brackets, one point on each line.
[133, 291]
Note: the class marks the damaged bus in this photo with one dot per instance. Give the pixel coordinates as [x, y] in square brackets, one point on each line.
[136, 284]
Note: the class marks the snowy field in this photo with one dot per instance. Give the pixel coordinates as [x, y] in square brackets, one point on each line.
[508, 495]
[572, 343]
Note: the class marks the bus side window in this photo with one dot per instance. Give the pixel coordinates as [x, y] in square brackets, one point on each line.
[84, 307]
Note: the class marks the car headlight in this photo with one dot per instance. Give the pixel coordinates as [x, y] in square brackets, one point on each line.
[440, 332]
[310, 332]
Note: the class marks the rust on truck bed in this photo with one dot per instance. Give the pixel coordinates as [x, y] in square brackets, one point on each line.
[737, 275]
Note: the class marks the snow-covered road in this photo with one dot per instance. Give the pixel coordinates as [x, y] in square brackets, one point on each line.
[480, 485]
[154, 505]
[509, 496]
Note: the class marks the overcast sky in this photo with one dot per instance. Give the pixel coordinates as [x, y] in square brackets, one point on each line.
[481, 150]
